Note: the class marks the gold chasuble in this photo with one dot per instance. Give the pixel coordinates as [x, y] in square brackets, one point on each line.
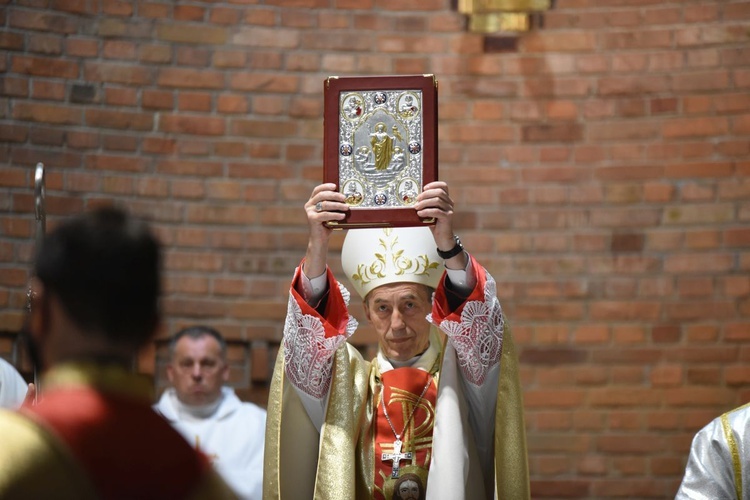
[341, 464]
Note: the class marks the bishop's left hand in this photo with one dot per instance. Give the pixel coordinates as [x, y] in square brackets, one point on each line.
[434, 201]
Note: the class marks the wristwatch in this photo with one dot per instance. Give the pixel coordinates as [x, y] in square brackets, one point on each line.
[457, 249]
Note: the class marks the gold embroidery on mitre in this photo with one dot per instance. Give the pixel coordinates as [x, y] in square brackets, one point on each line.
[393, 255]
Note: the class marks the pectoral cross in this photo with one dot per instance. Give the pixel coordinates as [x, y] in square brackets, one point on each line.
[396, 457]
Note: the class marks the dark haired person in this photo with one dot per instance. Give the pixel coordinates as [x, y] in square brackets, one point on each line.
[441, 400]
[93, 433]
[209, 414]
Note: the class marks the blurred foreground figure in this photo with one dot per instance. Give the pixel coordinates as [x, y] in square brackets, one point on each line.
[209, 414]
[93, 433]
[719, 462]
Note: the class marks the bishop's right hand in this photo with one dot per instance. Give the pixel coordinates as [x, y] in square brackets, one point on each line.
[325, 205]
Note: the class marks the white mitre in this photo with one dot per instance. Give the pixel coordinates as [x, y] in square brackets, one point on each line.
[375, 257]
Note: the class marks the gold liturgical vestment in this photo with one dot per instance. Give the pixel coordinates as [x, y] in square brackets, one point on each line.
[471, 346]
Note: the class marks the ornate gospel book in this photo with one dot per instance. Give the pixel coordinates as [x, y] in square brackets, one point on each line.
[380, 145]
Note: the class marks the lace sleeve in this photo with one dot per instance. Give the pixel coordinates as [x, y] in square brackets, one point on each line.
[477, 335]
[308, 351]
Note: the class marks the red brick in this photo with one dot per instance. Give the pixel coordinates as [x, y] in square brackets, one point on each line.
[119, 119]
[257, 128]
[187, 189]
[190, 78]
[225, 15]
[665, 15]
[665, 61]
[228, 286]
[697, 240]
[117, 185]
[117, 8]
[637, 85]
[47, 113]
[697, 82]
[18, 87]
[189, 13]
[632, 488]
[667, 375]
[231, 103]
[189, 167]
[41, 20]
[44, 44]
[230, 149]
[630, 398]
[193, 147]
[264, 82]
[121, 96]
[633, 129]
[45, 90]
[629, 63]
[229, 58]
[117, 73]
[708, 34]
[231, 239]
[43, 66]
[638, 39]
[11, 41]
[261, 16]
[192, 124]
[47, 136]
[200, 34]
[560, 488]
[695, 127]
[153, 10]
[78, 181]
[82, 140]
[663, 105]
[697, 396]
[152, 187]
[154, 53]
[192, 56]
[159, 145]
[157, 99]
[119, 143]
[702, 333]
[701, 13]
[119, 49]
[118, 163]
[624, 310]
[81, 47]
[192, 285]
[703, 310]
[193, 101]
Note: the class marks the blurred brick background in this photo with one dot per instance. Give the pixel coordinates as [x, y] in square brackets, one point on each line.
[600, 168]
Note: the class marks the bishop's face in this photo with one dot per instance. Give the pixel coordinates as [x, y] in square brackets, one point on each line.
[198, 370]
[397, 312]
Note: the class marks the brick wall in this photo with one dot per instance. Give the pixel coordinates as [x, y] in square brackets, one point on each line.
[600, 171]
